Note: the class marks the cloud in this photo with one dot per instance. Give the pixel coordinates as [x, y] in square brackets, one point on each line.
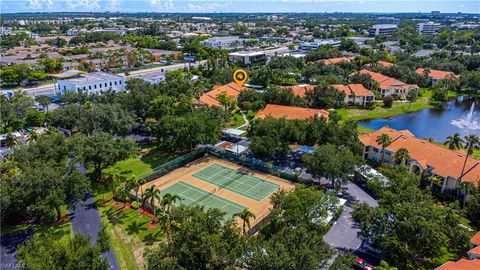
[168, 4]
[89, 4]
[208, 7]
[41, 4]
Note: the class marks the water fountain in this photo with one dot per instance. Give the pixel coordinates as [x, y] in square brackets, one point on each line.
[469, 122]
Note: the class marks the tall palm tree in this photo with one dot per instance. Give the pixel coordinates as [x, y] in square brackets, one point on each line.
[245, 216]
[164, 218]
[472, 143]
[168, 200]
[384, 140]
[402, 155]
[44, 101]
[135, 181]
[150, 194]
[454, 142]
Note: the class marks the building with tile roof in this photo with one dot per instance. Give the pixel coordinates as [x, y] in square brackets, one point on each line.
[390, 86]
[210, 98]
[290, 113]
[337, 60]
[425, 157]
[301, 90]
[382, 64]
[460, 265]
[356, 94]
[436, 75]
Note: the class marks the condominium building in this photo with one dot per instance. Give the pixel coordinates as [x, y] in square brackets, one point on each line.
[224, 43]
[390, 86]
[428, 28]
[383, 29]
[92, 82]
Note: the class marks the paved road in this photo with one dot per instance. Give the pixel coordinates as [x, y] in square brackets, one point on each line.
[86, 219]
[143, 73]
[343, 234]
[8, 247]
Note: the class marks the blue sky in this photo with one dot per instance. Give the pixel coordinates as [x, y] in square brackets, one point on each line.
[466, 6]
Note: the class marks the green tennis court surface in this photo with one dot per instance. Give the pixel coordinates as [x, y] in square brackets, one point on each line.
[192, 195]
[246, 185]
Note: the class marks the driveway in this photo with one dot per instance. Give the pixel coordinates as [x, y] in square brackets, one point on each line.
[86, 219]
[8, 247]
[343, 234]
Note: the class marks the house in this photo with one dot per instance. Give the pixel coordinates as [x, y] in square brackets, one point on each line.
[290, 113]
[390, 86]
[210, 98]
[337, 60]
[355, 94]
[436, 75]
[474, 253]
[301, 90]
[425, 158]
[460, 265]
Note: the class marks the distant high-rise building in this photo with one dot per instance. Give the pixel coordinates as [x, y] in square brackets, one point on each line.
[428, 28]
[387, 20]
[435, 12]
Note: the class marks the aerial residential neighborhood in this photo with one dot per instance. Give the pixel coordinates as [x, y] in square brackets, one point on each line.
[328, 135]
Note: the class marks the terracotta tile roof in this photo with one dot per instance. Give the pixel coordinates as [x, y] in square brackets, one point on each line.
[387, 82]
[301, 90]
[476, 239]
[383, 64]
[460, 265]
[337, 60]
[475, 250]
[436, 74]
[442, 161]
[210, 98]
[290, 113]
[354, 89]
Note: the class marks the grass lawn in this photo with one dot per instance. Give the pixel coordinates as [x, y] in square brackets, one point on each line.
[144, 163]
[128, 231]
[60, 232]
[365, 129]
[235, 121]
[357, 114]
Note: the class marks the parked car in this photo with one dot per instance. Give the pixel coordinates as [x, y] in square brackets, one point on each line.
[362, 264]
[368, 248]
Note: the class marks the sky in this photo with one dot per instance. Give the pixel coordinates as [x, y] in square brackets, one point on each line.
[242, 6]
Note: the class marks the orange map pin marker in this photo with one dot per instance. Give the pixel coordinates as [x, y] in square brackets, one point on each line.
[240, 76]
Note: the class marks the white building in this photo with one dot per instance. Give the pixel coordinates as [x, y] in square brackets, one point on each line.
[72, 32]
[92, 82]
[387, 20]
[5, 31]
[248, 59]
[428, 28]
[383, 29]
[311, 46]
[224, 43]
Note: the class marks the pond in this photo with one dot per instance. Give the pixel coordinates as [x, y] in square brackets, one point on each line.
[437, 123]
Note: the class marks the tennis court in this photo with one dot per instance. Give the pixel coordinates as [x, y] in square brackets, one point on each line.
[192, 195]
[236, 181]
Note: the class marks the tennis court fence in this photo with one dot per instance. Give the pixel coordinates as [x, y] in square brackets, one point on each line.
[251, 163]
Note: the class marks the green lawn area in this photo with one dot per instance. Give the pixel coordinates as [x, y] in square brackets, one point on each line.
[365, 129]
[144, 163]
[235, 121]
[128, 231]
[60, 232]
[357, 114]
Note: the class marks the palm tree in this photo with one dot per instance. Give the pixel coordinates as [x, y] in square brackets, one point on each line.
[472, 143]
[150, 194]
[245, 216]
[384, 140]
[44, 101]
[169, 199]
[454, 142]
[163, 217]
[88, 106]
[11, 140]
[112, 177]
[135, 181]
[402, 155]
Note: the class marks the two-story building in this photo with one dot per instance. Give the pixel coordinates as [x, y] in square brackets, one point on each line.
[390, 86]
